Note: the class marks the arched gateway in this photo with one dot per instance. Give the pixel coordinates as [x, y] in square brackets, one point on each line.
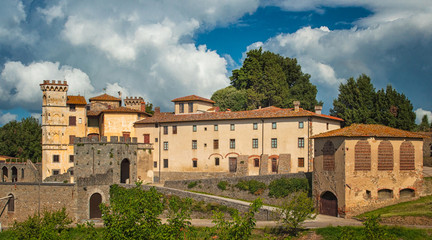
[328, 204]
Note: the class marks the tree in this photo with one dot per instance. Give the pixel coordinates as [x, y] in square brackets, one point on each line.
[424, 125]
[269, 79]
[149, 108]
[22, 139]
[230, 98]
[295, 211]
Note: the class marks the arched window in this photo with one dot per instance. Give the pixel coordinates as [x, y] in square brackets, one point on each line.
[385, 194]
[14, 174]
[385, 156]
[407, 156]
[362, 156]
[4, 174]
[328, 156]
[407, 193]
[11, 203]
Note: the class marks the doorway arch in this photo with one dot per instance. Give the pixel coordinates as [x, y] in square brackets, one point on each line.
[4, 174]
[14, 174]
[95, 201]
[125, 171]
[328, 204]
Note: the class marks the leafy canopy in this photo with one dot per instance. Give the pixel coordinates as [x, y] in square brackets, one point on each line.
[267, 79]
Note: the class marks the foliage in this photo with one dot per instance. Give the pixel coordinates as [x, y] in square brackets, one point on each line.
[348, 233]
[149, 108]
[267, 79]
[282, 187]
[51, 225]
[373, 230]
[192, 184]
[22, 139]
[295, 211]
[240, 227]
[424, 125]
[134, 214]
[222, 185]
[358, 102]
[253, 186]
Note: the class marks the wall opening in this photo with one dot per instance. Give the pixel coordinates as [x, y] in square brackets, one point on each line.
[385, 156]
[385, 194]
[328, 204]
[125, 171]
[4, 174]
[407, 193]
[95, 201]
[407, 156]
[362, 156]
[232, 164]
[11, 203]
[328, 156]
[14, 174]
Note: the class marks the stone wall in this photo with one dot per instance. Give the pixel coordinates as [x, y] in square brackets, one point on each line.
[25, 171]
[210, 186]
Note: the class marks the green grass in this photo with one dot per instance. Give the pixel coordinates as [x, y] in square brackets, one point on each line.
[336, 233]
[421, 207]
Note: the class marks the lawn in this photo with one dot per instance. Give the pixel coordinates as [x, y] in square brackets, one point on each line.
[421, 207]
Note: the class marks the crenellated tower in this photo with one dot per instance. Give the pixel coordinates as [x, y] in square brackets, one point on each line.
[136, 103]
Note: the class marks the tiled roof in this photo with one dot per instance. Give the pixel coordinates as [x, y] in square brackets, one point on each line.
[78, 100]
[192, 98]
[92, 113]
[369, 130]
[105, 97]
[124, 110]
[269, 112]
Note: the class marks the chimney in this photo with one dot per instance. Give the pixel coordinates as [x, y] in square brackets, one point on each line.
[318, 109]
[296, 105]
[157, 110]
[120, 96]
[143, 106]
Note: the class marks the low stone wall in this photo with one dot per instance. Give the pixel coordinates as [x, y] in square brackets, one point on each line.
[263, 215]
[174, 176]
[210, 186]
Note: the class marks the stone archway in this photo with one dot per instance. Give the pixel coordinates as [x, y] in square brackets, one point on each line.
[328, 204]
[95, 201]
[4, 174]
[14, 174]
[125, 171]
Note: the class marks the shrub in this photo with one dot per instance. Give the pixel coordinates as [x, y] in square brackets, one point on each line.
[253, 186]
[282, 187]
[222, 185]
[192, 184]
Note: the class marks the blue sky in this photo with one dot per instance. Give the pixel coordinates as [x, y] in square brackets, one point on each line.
[161, 50]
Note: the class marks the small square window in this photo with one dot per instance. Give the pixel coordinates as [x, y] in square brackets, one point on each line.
[216, 127]
[274, 125]
[56, 172]
[72, 121]
[56, 158]
[301, 142]
[216, 144]
[301, 125]
[255, 126]
[194, 128]
[194, 163]
[216, 161]
[274, 142]
[156, 139]
[71, 158]
[300, 162]
[72, 108]
[155, 164]
[232, 127]
[205, 129]
[165, 161]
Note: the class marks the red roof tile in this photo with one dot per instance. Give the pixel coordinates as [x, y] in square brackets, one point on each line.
[269, 112]
[78, 100]
[105, 97]
[192, 98]
[369, 130]
[123, 110]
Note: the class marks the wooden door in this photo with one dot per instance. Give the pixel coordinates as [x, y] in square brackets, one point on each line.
[146, 138]
[274, 165]
[95, 201]
[233, 164]
[328, 204]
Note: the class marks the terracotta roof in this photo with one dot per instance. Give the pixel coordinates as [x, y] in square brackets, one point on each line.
[123, 110]
[192, 98]
[268, 112]
[78, 100]
[369, 130]
[105, 97]
[92, 113]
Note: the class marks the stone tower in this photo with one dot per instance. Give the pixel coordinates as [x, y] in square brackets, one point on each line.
[136, 103]
[54, 124]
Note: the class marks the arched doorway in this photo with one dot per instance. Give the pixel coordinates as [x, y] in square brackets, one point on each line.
[4, 174]
[11, 203]
[328, 204]
[95, 201]
[14, 174]
[124, 171]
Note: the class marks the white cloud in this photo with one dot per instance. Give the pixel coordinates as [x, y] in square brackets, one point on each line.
[53, 12]
[7, 117]
[38, 116]
[12, 14]
[420, 113]
[20, 83]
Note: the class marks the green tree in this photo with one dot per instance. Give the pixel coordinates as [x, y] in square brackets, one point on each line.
[22, 139]
[149, 108]
[424, 125]
[270, 79]
[295, 211]
[230, 98]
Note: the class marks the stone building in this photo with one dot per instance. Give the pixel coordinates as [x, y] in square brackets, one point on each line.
[364, 167]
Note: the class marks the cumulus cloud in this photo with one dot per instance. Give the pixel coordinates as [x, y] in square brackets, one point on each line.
[7, 117]
[420, 113]
[20, 83]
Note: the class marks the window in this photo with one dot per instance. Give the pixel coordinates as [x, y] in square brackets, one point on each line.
[216, 161]
[274, 142]
[385, 194]
[156, 139]
[165, 163]
[274, 125]
[216, 144]
[301, 124]
[146, 138]
[407, 159]
[71, 172]
[256, 162]
[79, 120]
[385, 156]
[194, 128]
[56, 158]
[126, 135]
[327, 126]
[56, 172]
[194, 144]
[190, 107]
[71, 139]
[216, 127]
[255, 143]
[232, 127]
[328, 156]
[165, 145]
[11, 203]
[71, 158]
[362, 156]
[72, 121]
[232, 143]
[174, 129]
[301, 142]
[194, 163]
[255, 126]
[22, 172]
[93, 122]
[72, 108]
[300, 162]
[155, 164]
[165, 130]
[181, 107]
